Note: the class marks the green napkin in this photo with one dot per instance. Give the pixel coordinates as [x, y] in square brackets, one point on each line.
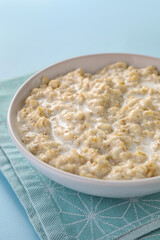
[60, 213]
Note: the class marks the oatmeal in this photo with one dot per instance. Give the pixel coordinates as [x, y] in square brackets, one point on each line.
[104, 125]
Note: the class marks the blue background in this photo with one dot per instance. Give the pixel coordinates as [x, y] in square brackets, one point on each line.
[36, 33]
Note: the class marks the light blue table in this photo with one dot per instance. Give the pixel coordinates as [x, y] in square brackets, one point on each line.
[35, 34]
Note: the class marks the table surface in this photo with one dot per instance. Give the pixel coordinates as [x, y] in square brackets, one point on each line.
[35, 34]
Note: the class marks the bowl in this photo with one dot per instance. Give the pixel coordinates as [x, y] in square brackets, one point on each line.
[104, 188]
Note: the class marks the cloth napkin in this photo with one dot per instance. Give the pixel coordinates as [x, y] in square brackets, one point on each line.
[58, 213]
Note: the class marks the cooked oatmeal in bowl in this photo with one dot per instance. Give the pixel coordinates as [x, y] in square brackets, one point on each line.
[104, 125]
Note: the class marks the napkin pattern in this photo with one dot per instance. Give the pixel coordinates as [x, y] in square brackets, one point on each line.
[59, 213]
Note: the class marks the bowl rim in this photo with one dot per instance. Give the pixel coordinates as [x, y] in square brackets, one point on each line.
[29, 155]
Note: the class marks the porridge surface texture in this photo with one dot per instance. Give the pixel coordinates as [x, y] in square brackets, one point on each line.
[104, 125]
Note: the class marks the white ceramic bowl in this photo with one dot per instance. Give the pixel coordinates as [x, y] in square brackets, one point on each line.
[106, 188]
